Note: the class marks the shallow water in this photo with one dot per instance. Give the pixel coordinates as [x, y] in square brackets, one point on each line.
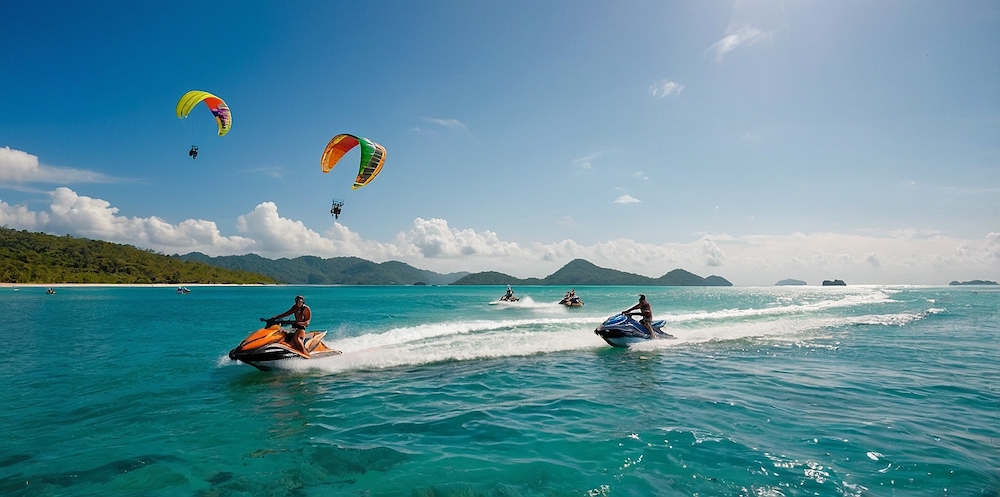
[766, 391]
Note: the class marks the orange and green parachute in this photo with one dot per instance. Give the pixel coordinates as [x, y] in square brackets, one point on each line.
[372, 157]
[223, 118]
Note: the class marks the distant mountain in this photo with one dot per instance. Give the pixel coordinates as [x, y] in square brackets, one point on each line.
[310, 270]
[973, 282]
[581, 272]
[789, 282]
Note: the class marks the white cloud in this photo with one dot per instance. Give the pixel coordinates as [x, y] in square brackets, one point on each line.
[21, 167]
[585, 162]
[434, 239]
[714, 256]
[447, 123]
[18, 216]
[92, 218]
[897, 257]
[626, 199]
[665, 88]
[735, 37]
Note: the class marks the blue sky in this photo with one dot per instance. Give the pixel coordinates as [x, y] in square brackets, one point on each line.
[756, 140]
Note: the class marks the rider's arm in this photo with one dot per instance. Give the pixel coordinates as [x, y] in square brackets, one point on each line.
[286, 313]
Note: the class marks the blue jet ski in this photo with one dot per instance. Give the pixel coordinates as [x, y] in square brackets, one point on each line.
[621, 330]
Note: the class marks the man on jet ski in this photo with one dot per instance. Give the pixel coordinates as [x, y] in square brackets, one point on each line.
[646, 311]
[302, 316]
[509, 296]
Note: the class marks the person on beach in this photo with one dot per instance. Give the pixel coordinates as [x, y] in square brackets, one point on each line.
[302, 316]
[643, 308]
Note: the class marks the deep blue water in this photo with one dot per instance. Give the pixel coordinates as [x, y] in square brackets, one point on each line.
[767, 391]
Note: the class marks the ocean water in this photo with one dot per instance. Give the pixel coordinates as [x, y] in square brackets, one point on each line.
[846, 391]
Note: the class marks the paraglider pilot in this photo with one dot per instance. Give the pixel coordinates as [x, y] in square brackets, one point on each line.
[193, 152]
[336, 209]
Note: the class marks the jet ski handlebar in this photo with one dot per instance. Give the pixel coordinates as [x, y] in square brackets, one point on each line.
[271, 322]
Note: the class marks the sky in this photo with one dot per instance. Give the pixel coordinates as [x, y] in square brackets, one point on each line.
[754, 140]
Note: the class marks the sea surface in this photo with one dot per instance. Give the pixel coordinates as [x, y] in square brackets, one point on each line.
[820, 391]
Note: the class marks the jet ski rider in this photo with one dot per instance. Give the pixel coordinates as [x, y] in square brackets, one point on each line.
[302, 316]
[647, 314]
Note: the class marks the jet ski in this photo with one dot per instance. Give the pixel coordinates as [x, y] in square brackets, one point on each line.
[270, 344]
[571, 302]
[507, 297]
[621, 330]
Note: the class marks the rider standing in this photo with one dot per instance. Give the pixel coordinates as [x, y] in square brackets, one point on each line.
[647, 314]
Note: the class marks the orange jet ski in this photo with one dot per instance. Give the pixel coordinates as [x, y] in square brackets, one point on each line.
[272, 343]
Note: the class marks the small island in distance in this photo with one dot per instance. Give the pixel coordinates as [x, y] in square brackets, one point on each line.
[790, 282]
[973, 282]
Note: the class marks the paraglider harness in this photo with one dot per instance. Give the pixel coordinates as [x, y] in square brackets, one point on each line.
[335, 209]
[193, 152]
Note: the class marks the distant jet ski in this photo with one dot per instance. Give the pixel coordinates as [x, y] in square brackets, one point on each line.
[571, 302]
[270, 344]
[507, 297]
[621, 331]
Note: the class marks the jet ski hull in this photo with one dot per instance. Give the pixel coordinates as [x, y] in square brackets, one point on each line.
[623, 331]
[264, 348]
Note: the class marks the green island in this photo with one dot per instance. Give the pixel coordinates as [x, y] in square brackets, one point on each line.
[27, 257]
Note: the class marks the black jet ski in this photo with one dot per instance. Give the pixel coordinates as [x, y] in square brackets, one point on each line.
[270, 344]
[621, 330]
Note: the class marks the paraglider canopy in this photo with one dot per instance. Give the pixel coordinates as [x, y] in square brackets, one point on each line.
[223, 118]
[372, 157]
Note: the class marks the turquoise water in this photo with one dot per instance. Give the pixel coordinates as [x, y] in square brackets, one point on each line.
[767, 391]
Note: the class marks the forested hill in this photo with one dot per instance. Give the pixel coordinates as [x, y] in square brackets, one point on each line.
[581, 272]
[310, 270]
[27, 257]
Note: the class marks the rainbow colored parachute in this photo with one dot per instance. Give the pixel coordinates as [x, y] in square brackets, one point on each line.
[372, 157]
[219, 109]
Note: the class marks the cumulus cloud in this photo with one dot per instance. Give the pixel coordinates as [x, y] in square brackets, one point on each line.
[737, 36]
[665, 88]
[899, 257]
[18, 216]
[626, 199]
[21, 167]
[70, 213]
[434, 239]
[714, 256]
